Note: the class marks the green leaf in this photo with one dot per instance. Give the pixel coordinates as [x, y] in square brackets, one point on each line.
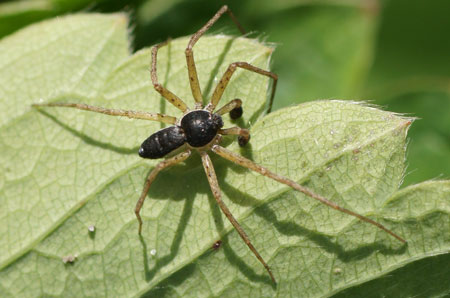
[63, 170]
[17, 14]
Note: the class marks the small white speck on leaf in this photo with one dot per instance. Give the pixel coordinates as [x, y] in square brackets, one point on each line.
[91, 228]
[69, 259]
[153, 252]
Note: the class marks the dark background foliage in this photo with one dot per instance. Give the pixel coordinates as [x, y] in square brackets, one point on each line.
[393, 53]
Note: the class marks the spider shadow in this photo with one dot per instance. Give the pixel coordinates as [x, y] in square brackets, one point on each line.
[231, 256]
[209, 84]
[185, 175]
[328, 243]
[88, 140]
[160, 192]
[291, 228]
[201, 186]
[217, 214]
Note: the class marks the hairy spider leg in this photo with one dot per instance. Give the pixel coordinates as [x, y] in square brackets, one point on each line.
[214, 184]
[112, 112]
[159, 167]
[171, 97]
[192, 70]
[220, 88]
[244, 162]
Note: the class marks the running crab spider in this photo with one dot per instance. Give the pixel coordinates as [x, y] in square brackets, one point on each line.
[200, 129]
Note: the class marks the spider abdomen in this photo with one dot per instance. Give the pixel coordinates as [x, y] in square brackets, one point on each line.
[162, 142]
[200, 127]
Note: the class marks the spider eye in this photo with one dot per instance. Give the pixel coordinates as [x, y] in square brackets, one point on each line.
[141, 152]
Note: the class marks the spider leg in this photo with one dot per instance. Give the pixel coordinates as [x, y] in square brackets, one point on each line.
[159, 167]
[220, 88]
[172, 98]
[242, 161]
[112, 112]
[234, 107]
[244, 134]
[214, 184]
[193, 77]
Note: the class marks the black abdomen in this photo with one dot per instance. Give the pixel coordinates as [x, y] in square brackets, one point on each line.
[162, 142]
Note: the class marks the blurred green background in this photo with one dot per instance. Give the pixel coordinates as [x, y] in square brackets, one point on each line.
[393, 53]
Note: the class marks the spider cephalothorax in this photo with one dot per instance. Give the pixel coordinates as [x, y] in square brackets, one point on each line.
[200, 129]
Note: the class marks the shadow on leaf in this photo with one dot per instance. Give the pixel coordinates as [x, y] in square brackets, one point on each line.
[88, 140]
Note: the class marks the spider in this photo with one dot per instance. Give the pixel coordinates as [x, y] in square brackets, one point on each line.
[200, 130]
